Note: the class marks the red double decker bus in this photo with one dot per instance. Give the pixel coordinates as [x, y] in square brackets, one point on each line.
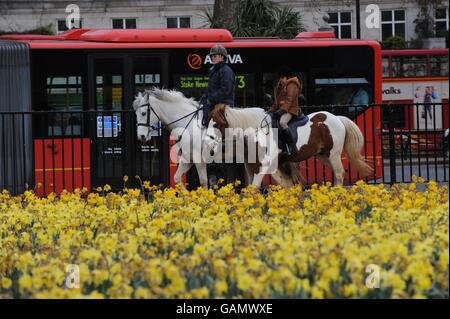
[102, 70]
[407, 74]
[416, 83]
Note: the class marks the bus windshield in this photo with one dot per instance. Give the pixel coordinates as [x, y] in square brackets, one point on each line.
[329, 75]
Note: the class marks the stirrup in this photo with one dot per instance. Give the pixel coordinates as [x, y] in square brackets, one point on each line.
[289, 151]
[285, 153]
[289, 142]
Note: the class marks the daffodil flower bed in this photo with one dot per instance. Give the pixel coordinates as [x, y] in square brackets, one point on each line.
[363, 241]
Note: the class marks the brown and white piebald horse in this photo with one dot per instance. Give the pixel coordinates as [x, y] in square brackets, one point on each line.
[324, 136]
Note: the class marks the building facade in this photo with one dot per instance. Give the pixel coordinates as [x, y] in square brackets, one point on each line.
[396, 17]
[20, 15]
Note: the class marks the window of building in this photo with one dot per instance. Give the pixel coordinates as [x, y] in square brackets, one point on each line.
[342, 24]
[61, 24]
[441, 19]
[127, 23]
[393, 23]
[179, 22]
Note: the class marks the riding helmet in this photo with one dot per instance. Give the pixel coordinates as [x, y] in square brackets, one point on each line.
[219, 49]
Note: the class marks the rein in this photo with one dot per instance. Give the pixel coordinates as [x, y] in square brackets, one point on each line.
[265, 123]
[150, 109]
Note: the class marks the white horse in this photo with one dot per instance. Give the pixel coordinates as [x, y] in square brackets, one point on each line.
[261, 156]
[324, 136]
[182, 116]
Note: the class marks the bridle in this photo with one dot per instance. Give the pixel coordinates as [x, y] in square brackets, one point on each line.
[147, 123]
[150, 109]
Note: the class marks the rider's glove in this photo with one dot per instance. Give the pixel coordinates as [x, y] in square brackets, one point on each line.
[203, 99]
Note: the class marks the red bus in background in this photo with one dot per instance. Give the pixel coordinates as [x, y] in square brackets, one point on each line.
[88, 70]
[415, 78]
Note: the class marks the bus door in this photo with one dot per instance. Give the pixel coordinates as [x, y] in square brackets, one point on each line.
[151, 161]
[114, 80]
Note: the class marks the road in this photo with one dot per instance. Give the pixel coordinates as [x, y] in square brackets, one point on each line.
[431, 170]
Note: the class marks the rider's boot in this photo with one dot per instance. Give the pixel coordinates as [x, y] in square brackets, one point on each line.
[207, 108]
[205, 117]
[289, 140]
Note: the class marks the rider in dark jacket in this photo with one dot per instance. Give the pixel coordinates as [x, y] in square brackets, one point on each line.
[222, 82]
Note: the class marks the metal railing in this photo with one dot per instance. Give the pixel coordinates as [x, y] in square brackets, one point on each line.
[414, 141]
[401, 140]
[54, 150]
[76, 149]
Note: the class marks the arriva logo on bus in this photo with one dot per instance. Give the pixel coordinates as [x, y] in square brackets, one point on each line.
[231, 59]
[195, 61]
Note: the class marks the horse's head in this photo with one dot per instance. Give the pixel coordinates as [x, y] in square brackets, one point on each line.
[146, 118]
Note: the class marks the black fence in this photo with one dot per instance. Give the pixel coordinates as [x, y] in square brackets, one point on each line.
[415, 141]
[52, 151]
[401, 140]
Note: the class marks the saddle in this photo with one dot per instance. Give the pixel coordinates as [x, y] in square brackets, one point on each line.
[293, 125]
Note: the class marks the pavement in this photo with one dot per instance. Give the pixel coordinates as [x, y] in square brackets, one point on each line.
[433, 169]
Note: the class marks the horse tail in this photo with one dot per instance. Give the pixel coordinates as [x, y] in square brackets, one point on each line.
[292, 171]
[354, 141]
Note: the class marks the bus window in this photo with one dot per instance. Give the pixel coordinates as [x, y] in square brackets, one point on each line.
[439, 65]
[269, 82]
[340, 92]
[357, 96]
[64, 93]
[385, 66]
[245, 90]
[59, 84]
[194, 85]
[146, 73]
[412, 66]
[109, 83]
[333, 95]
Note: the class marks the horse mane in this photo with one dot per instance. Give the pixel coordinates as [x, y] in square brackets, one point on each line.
[170, 96]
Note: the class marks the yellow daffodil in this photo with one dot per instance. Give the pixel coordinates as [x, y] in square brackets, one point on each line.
[172, 243]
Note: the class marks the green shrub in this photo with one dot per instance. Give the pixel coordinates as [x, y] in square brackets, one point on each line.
[393, 43]
[44, 30]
